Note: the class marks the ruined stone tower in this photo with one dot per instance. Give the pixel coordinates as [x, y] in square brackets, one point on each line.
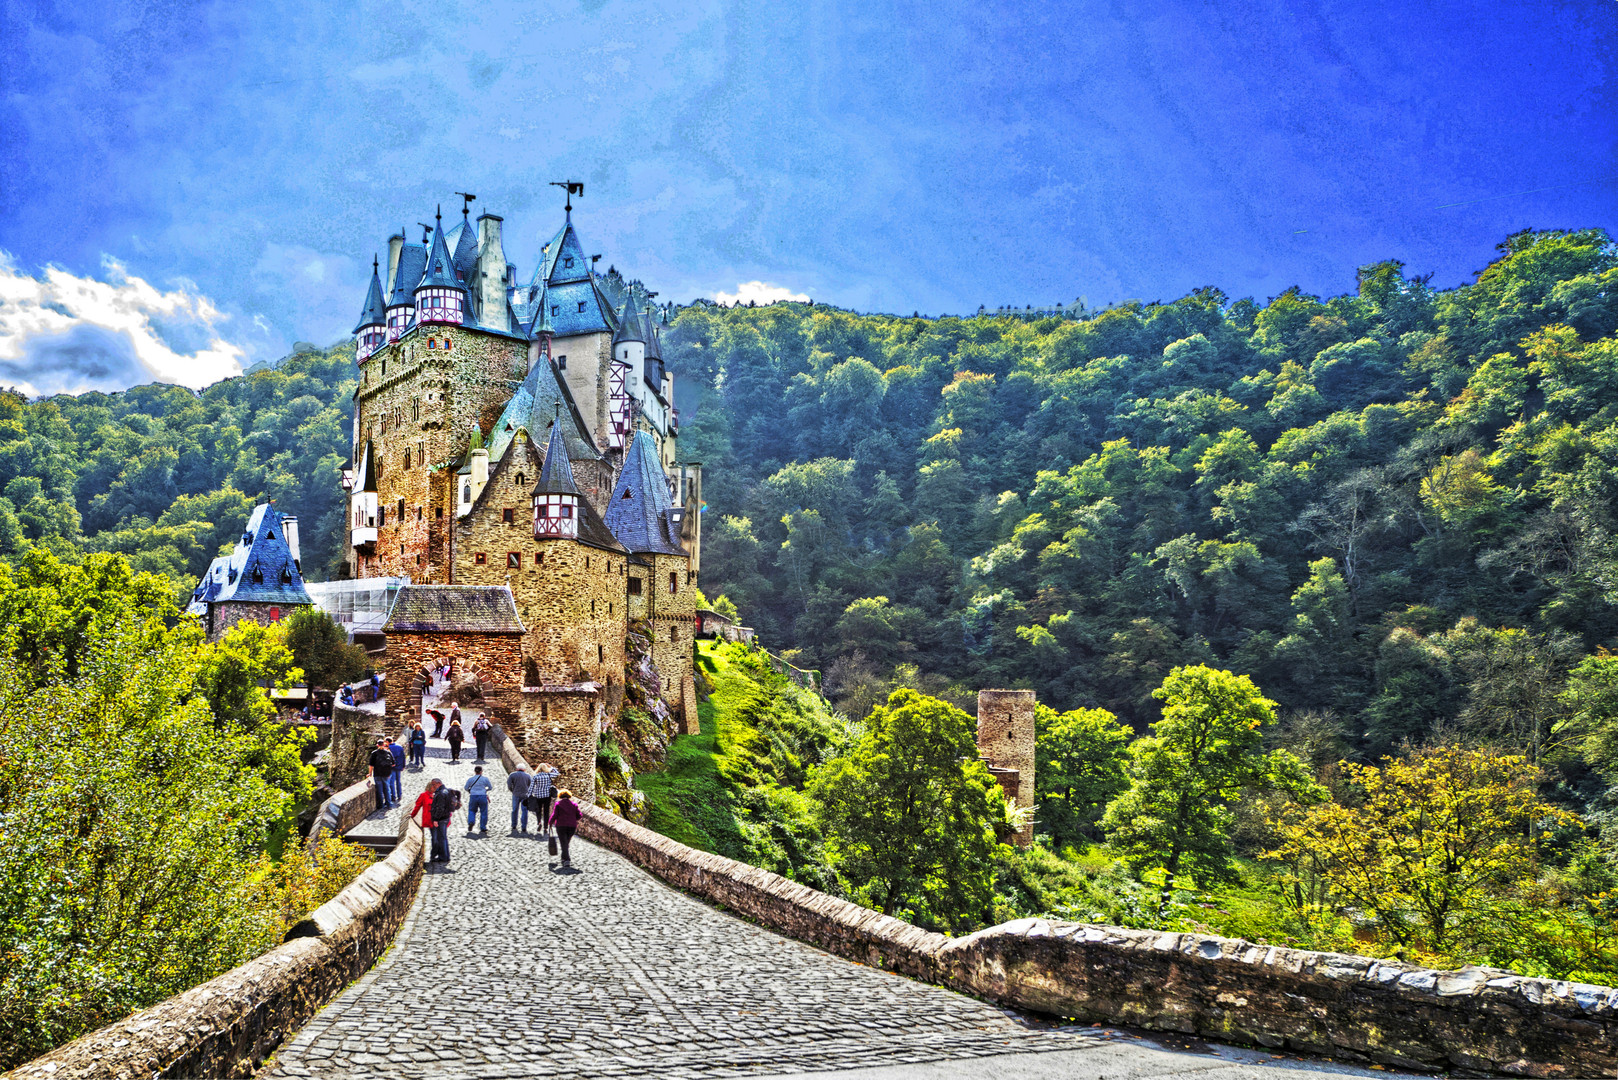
[1006, 744]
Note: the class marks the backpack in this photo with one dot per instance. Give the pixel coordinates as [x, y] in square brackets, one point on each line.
[455, 799]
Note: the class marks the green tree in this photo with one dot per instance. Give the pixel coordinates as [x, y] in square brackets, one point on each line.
[233, 674]
[1200, 758]
[1081, 760]
[908, 813]
[320, 649]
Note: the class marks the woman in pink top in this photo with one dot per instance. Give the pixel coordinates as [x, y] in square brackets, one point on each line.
[565, 816]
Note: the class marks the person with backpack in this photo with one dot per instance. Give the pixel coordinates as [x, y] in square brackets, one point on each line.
[481, 730]
[566, 819]
[394, 795]
[539, 794]
[445, 802]
[422, 814]
[381, 765]
[517, 783]
[456, 737]
[418, 744]
[478, 788]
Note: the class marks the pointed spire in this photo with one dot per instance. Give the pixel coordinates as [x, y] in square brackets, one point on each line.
[629, 323]
[440, 267]
[375, 312]
[556, 476]
[641, 501]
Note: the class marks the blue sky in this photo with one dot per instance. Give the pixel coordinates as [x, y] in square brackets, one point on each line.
[188, 187]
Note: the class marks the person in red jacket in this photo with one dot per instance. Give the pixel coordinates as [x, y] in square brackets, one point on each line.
[565, 816]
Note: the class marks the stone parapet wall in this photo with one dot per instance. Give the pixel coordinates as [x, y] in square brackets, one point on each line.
[227, 1026]
[344, 810]
[793, 909]
[1477, 1020]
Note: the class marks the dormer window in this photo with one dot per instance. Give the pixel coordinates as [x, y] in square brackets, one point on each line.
[568, 262]
[581, 307]
[258, 576]
[286, 576]
[555, 310]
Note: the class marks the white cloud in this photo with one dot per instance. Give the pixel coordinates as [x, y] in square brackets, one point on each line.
[61, 333]
[761, 292]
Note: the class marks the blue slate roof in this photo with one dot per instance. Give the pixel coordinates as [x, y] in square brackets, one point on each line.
[637, 514]
[567, 259]
[412, 261]
[374, 313]
[630, 326]
[260, 569]
[575, 307]
[465, 247]
[533, 408]
[556, 476]
[440, 265]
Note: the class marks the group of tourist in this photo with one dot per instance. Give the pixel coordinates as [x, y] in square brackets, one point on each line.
[532, 794]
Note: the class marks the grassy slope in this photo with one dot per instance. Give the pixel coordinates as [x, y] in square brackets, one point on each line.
[691, 799]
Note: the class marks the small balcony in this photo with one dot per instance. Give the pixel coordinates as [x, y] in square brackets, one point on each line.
[361, 536]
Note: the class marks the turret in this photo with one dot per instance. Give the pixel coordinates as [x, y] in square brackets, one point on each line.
[556, 498]
[406, 275]
[372, 330]
[629, 345]
[440, 298]
[362, 501]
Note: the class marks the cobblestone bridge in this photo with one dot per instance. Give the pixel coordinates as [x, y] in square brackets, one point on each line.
[510, 966]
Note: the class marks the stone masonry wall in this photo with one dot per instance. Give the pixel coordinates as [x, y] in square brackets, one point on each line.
[426, 401]
[497, 658]
[227, 1026]
[562, 729]
[589, 363]
[672, 620]
[569, 595]
[1349, 1007]
[1006, 741]
[231, 612]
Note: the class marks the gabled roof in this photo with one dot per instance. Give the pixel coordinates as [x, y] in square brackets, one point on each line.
[566, 260]
[440, 265]
[630, 326]
[259, 569]
[454, 609]
[575, 307]
[638, 511]
[534, 408]
[375, 312]
[556, 477]
[412, 261]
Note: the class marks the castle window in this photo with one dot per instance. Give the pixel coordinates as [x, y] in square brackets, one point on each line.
[415, 408]
[513, 560]
[275, 614]
[539, 558]
[418, 513]
[381, 516]
[432, 343]
[581, 307]
[439, 513]
[568, 262]
[407, 459]
[258, 576]
[522, 481]
[466, 492]
[418, 560]
[561, 361]
[674, 583]
[634, 586]
[601, 654]
[480, 558]
[587, 566]
[555, 310]
[508, 516]
[592, 609]
[447, 344]
[401, 511]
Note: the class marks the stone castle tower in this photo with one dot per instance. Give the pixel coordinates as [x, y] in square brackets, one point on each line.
[464, 375]
[1006, 744]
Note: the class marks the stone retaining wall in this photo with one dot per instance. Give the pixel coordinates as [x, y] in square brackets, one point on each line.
[1348, 1007]
[227, 1026]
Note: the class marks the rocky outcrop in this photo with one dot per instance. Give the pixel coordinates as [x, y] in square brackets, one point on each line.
[1349, 1007]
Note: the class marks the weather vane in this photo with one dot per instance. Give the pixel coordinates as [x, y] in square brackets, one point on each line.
[467, 205]
[574, 187]
[426, 231]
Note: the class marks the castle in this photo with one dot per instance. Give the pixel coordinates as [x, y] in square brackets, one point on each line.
[515, 472]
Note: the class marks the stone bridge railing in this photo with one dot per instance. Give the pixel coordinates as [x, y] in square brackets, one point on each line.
[227, 1026]
[1478, 1020]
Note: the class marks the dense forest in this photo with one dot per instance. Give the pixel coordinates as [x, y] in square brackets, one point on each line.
[1315, 593]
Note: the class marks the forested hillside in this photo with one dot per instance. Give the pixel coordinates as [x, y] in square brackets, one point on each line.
[1392, 509]
[167, 476]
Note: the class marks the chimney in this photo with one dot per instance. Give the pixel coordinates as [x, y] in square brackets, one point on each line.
[480, 471]
[491, 282]
[289, 529]
[395, 245]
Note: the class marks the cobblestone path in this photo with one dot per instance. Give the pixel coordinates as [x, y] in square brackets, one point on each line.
[509, 966]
